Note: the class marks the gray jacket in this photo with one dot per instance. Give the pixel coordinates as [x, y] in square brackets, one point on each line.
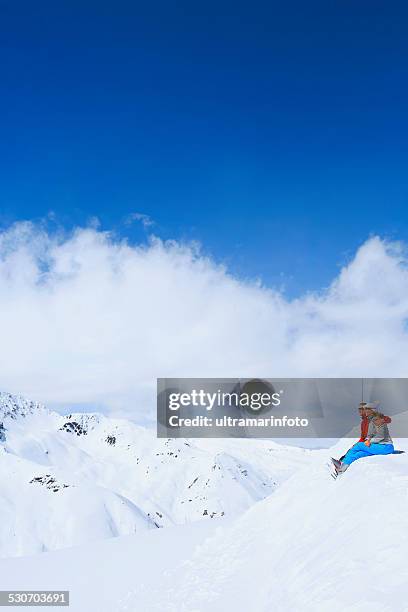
[378, 435]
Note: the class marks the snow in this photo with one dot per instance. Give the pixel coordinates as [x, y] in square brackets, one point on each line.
[284, 535]
[99, 575]
[91, 477]
[314, 545]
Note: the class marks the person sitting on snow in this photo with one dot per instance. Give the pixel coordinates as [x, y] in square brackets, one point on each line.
[366, 411]
[377, 442]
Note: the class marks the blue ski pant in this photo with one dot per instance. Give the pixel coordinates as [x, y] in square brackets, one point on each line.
[360, 450]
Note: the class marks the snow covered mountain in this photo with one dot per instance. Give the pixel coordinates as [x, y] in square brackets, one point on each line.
[69, 480]
[12, 406]
[314, 545]
[43, 503]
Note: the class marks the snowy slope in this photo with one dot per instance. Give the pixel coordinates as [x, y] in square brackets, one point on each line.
[100, 575]
[13, 406]
[316, 545]
[43, 506]
[90, 477]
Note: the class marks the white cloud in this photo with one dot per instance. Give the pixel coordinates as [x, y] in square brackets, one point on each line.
[88, 318]
[144, 219]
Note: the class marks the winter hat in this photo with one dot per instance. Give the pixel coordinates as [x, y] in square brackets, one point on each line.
[371, 405]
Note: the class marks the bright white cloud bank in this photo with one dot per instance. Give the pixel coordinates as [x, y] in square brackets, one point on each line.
[87, 318]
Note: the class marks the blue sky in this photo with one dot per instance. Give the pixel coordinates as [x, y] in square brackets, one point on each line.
[274, 133]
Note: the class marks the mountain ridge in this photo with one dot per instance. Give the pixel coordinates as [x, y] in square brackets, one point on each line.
[106, 477]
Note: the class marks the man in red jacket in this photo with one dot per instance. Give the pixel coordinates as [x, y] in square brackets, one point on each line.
[364, 420]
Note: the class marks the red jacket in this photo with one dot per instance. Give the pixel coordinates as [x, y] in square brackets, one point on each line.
[364, 426]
